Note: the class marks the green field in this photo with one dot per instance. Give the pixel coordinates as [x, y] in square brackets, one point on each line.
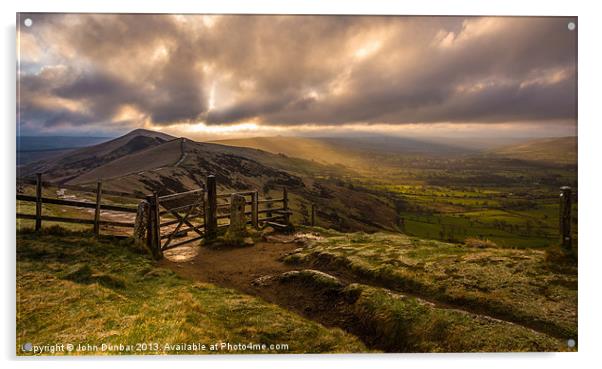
[513, 203]
[453, 215]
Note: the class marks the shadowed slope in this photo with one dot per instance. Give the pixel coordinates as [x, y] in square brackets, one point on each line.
[561, 150]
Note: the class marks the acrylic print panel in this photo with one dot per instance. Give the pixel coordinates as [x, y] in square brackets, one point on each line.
[236, 184]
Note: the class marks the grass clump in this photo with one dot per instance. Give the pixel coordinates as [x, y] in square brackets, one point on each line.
[76, 289]
[479, 243]
[313, 278]
[557, 256]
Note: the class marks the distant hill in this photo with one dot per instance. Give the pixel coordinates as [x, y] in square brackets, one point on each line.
[562, 150]
[34, 148]
[76, 162]
[354, 152]
[149, 161]
[41, 143]
[316, 149]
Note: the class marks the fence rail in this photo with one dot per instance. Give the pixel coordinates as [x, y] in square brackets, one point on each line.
[97, 205]
[74, 220]
[79, 204]
[46, 184]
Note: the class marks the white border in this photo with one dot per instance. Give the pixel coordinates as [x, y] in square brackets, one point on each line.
[590, 182]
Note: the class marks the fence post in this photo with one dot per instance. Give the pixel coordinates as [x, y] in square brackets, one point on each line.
[38, 201]
[565, 218]
[150, 232]
[313, 214]
[142, 222]
[157, 227]
[268, 206]
[285, 205]
[255, 209]
[153, 235]
[211, 226]
[97, 211]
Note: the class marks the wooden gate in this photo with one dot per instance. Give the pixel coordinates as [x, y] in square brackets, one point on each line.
[177, 215]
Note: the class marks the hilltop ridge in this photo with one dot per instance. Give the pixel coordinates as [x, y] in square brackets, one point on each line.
[147, 161]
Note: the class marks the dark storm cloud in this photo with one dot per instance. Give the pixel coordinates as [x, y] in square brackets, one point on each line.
[106, 64]
[287, 70]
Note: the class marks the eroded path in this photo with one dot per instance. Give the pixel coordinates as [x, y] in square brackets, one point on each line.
[239, 269]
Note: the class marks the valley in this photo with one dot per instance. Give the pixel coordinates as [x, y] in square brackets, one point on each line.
[453, 192]
[425, 189]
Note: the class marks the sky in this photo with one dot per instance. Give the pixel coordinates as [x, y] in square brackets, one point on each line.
[224, 76]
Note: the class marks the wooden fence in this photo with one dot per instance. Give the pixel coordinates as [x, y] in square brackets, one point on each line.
[203, 212]
[97, 205]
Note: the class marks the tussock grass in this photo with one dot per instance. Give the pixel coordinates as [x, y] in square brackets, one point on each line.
[558, 257]
[72, 288]
[479, 243]
[517, 285]
[311, 277]
[407, 324]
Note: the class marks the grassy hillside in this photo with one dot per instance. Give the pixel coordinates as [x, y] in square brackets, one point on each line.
[77, 162]
[521, 286]
[74, 289]
[146, 159]
[393, 293]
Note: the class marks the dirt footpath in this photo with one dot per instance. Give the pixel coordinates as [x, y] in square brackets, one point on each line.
[232, 267]
[237, 268]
